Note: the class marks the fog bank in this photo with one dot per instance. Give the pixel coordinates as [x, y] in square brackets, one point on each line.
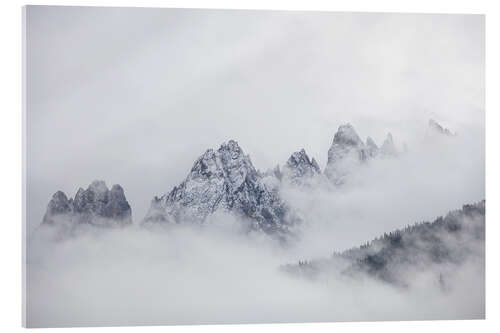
[192, 275]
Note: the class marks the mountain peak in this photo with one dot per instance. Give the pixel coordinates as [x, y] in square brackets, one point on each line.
[117, 188]
[299, 166]
[223, 180]
[59, 196]
[98, 186]
[231, 145]
[346, 150]
[346, 134]
[370, 142]
[58, 205]
[298, 156]
[230, 152]
[388, 148]
[371, 147]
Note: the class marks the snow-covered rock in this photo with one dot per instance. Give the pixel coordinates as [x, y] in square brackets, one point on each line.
[388, 149]
[97, 205]
[371, 147]
[347, 151]
[299, 169]
[223, 180]
[58, 205]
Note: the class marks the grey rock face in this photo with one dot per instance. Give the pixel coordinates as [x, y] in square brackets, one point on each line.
[222, 180]
[299, 168]
[58, 205]
[372, 148]
[97, 205]
[388, 148]
[346, 150]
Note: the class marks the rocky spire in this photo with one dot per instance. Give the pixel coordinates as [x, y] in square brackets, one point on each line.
[117, 206]
[347, 136]
[372, 148]
[388, 148]
[346, 150]
[59, 205]
[299, 168]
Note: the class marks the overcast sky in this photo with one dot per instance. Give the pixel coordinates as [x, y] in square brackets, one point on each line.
[134, 96]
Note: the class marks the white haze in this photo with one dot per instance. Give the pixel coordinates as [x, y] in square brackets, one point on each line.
[218, 274]
[435, 176]
[190, 276]
[134, 96]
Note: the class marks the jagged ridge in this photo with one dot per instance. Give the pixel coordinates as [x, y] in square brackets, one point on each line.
[226, 180]
[299, 168]
[348, 150]
[97, 205]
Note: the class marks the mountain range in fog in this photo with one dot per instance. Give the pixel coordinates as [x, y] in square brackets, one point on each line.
[225, 180]
[438, 257]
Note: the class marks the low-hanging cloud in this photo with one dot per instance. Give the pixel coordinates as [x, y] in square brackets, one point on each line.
[216, 274]
[220, 273]
[433, 177]
[141, 93]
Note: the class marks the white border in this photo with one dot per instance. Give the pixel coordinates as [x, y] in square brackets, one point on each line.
[11, 146]
[24, 162]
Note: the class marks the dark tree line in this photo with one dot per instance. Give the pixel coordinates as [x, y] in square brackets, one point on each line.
[449, 239]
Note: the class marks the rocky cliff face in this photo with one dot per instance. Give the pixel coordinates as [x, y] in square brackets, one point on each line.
[372, 148]
[346, 151]
[299, 169]
[97, 205]
[388, 149]
[223, 180]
